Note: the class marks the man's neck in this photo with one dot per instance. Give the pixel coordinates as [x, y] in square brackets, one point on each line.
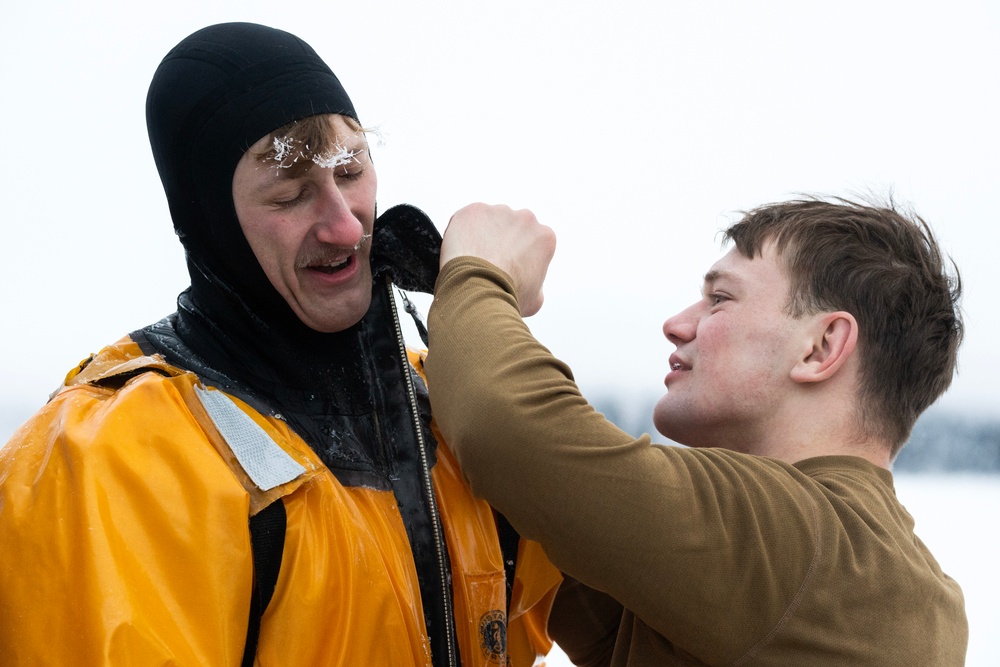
[822, 419]
[797, 440]
[806, 431]
[874, 453]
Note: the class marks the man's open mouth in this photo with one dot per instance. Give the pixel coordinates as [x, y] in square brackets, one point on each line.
[333, 266]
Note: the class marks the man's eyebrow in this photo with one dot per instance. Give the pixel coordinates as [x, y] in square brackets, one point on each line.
[715, 275]
[718, 274]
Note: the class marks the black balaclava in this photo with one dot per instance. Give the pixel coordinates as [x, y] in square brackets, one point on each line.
[213, 96]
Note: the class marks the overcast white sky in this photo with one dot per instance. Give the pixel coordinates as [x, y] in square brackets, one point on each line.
[634, 131]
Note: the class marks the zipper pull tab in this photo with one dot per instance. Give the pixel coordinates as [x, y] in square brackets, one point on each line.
[410, 308]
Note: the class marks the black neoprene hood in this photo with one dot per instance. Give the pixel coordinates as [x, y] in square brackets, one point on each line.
[213, 96]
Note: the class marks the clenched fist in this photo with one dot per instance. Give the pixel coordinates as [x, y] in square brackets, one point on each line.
[513, 241]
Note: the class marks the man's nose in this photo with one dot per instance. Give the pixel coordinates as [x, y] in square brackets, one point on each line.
[336, 223]
[683, 326]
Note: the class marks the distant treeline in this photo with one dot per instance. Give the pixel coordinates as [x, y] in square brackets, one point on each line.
[940, 442]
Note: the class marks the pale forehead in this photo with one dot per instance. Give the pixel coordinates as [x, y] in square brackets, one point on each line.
[763, 270]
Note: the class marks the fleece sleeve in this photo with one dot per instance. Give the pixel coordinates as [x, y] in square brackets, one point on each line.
[680, 537]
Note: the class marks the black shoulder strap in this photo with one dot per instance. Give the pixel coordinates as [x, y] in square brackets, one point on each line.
[509, 540]
[267, 540]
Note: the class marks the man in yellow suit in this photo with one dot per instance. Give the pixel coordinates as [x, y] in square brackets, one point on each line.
[256, 479]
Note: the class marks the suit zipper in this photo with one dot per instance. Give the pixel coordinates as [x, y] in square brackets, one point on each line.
[439, 543]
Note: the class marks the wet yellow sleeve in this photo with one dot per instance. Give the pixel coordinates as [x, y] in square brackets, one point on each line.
[122, 534]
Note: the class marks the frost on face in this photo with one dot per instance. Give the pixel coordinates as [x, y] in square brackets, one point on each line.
[282, 149]
[338, 157]
[285, 152]
[377, 133]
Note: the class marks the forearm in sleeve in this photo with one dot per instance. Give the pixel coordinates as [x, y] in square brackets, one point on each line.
[675, 535]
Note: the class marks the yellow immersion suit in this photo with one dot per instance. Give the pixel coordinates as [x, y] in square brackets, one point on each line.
[124, 541]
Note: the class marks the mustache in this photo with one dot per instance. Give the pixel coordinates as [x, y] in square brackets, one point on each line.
[329, 254]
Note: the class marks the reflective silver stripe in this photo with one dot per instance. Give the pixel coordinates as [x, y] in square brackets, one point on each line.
[267, 464]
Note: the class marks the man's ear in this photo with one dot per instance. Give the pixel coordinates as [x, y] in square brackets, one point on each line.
[834, 337]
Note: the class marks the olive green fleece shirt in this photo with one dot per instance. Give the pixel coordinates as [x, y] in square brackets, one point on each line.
[717, 557]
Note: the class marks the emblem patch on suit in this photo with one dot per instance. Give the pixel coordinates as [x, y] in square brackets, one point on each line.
[493, 636]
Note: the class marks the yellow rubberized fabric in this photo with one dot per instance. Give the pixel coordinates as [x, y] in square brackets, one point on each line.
[120, 546]
[124, 540]
[536, 580]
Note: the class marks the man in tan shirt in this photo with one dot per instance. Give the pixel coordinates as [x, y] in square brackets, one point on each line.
[776, 538]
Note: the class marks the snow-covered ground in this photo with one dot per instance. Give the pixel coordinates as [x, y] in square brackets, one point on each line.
[958, 518]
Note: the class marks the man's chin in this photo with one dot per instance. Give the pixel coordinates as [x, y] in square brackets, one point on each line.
[337, 318]
[663, 419]
[672, 422]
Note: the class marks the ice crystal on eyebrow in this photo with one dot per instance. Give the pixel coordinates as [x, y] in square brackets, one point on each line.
[336, 158]
[285, 153]
[282, 148]
[377, 133]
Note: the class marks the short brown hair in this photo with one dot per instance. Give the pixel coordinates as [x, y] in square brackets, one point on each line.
[885, 268]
